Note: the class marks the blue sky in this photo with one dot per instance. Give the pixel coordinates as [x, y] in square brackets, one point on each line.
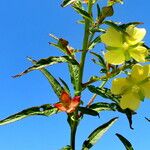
[24, 30]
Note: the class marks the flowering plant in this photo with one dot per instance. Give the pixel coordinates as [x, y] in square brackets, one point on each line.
[125, 54]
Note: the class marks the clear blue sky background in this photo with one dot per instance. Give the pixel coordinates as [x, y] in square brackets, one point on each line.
[24, 28]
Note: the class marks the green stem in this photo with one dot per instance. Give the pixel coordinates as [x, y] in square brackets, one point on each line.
[73, 134]
[74, 123]
[84, 48]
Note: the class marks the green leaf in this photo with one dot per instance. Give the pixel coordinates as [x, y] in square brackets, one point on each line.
[57, 88]
[147, 119]
[98, 11]
[94, 42]
[68, 147]
[74, 74]
[97, 134]
[44, 110]
[107, 11]
[88, 111]
[112, 2]
[53, 82]
[83, 13]
[96, 29]
[101, 106]
[67, 2]
[125, 142]
[66, 88]
[47, 62]
[81, 21]
[103, 92]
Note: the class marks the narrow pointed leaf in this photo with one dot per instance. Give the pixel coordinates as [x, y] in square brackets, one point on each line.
[83, 13]
[125, 142]
[54, 83]
[88, 111]
[47, 62]
[44, 110]
[66, 88]
[147, 119]
[103, 92]
[67, 2]
[74, 74]
[98, 10]
[68, 147]
[97, 134]
[101, 106]
[57, 88]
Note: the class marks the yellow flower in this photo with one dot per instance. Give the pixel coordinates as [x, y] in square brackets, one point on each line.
[134, 88]
[122, 46]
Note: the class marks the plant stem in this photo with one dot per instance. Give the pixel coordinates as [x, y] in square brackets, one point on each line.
[73, 134]
[84, 48]
[74, 122]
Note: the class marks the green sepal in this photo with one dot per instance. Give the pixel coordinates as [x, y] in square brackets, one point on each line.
[129, 113]
[97, 134]
[44, 110]
[83, 13]
[125, 142]
[88, 111]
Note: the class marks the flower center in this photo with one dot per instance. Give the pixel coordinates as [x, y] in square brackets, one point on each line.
[125, 46]
[135, 88]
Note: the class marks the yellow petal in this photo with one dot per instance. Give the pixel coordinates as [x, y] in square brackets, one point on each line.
[119, 85]
[112, 38]
[140, 72]
[136, 35]
[130, 100]
[138, 53]
[146, 89]
[115, 57]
